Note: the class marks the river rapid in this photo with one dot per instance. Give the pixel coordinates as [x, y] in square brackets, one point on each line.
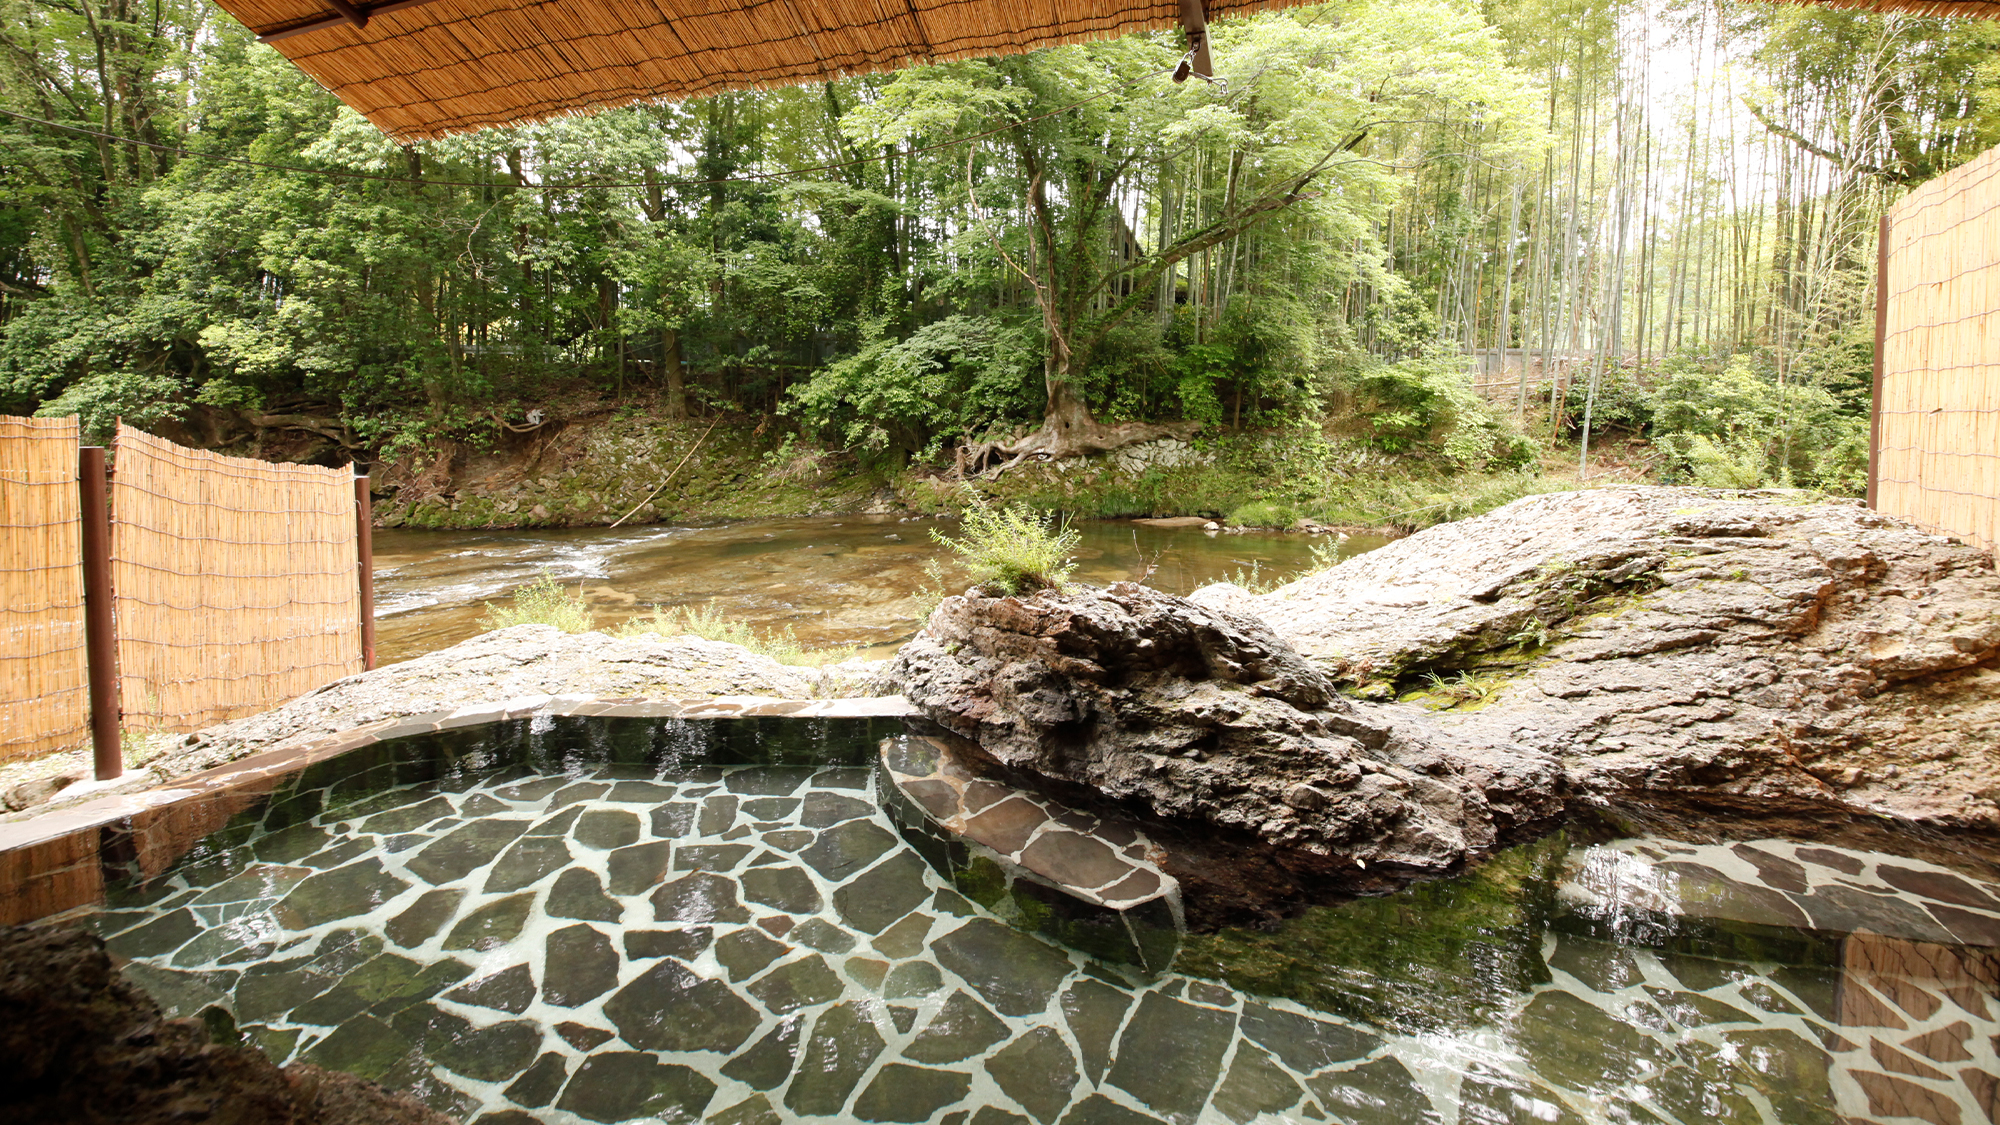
[833, 581]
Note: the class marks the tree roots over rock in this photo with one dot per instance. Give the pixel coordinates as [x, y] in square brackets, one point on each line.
[1060, 440]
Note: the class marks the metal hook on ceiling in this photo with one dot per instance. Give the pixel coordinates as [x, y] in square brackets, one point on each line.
[1197, 62]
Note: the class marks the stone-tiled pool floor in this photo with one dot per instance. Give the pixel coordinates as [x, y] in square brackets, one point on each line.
[741, 944]
[1090, 881]
[757, 944]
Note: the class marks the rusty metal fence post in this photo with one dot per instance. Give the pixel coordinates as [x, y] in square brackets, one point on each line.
[364, 549]
[99, 640]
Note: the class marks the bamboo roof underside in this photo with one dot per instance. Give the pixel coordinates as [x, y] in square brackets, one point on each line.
[428, 68]
[1955, 9]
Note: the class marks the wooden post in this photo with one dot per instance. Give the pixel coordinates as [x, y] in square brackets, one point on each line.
[1881, 345]
[364, 549]
[1194, 20]
[100, 644]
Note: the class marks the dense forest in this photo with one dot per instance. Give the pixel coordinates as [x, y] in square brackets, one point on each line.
[1622, 215]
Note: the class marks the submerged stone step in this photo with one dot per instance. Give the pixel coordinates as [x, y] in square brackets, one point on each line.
[1090, 881]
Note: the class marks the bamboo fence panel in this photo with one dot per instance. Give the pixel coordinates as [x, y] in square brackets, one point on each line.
[1938, 402]
[44, 678]
[235, 582]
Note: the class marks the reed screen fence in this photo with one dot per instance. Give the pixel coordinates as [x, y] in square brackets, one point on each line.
[234, 582]
[1937, 401]
[44, 700]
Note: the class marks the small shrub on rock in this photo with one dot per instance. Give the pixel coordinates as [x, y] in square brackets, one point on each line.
[1014, 550]
[541, 602]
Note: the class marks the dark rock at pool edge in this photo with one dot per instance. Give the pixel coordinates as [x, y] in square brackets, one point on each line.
[80, 1044]
[1201, 715]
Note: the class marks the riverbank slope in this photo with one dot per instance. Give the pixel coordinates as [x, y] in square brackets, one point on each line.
[605, 463]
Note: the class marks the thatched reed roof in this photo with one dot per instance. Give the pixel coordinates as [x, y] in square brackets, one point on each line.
[1972, 9]
[426, 68]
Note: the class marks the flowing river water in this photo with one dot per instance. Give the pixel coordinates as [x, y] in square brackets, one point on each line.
[845, 581]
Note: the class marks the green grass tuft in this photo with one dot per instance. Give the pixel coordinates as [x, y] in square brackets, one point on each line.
[1264, 513]
[541, 602]
[708, 623]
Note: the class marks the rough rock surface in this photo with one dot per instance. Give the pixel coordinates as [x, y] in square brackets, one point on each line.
[1758, 649]
[1202, 715]
[1755, 651]
[525, 660]
[79, 1044]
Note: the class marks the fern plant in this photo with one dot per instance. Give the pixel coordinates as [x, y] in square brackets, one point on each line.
[1014, 550]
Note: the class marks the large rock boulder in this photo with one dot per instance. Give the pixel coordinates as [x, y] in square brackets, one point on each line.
[1761, 650]
[517, 662]
[79, 1044]
[1202, 715]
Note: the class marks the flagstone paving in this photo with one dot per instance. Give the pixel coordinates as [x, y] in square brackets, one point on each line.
[1090, 881]
[763, 943]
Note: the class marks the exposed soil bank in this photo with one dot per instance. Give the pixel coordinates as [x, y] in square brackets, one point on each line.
[596, 467]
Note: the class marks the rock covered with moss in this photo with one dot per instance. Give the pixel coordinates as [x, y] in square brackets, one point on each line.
[1203, 716]
[1763, 650]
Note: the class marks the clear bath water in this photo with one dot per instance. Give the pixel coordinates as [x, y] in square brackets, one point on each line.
[614, 921]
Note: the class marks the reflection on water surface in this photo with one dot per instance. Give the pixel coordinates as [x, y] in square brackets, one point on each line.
[574, 921]
[834, 581]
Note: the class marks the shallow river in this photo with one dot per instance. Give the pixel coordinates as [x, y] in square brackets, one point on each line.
[833, 581]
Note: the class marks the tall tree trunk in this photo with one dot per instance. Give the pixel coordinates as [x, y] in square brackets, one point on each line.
[670, 371]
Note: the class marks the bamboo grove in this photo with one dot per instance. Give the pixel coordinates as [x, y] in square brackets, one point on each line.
[1626, 214]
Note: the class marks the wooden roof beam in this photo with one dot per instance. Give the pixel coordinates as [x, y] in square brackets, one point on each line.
[349, 12]
[1194, 19]
[344, 13]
